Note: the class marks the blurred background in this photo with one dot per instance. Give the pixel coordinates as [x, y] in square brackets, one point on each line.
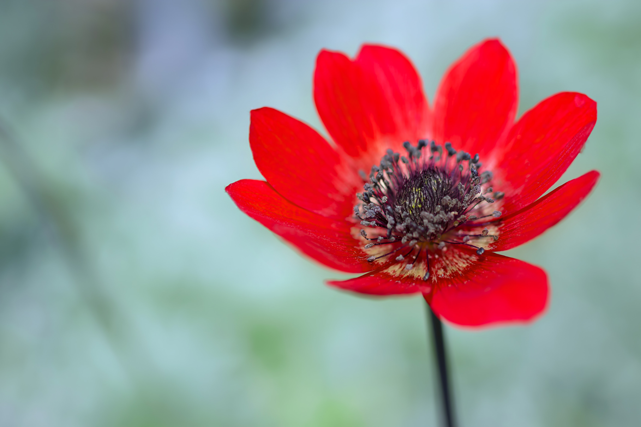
[134, 293]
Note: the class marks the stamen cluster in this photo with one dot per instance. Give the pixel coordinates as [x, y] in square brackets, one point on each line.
[429, 198]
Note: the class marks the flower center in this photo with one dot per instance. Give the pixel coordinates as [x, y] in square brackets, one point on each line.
[430, 198]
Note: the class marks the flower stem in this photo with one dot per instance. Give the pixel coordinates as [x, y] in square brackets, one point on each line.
[447, 413]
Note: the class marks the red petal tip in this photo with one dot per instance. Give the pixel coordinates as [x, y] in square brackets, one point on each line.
[260, 110]
[229, 188]
[493, 43]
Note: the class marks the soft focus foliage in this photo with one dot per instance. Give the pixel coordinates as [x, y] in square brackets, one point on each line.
[133, 293]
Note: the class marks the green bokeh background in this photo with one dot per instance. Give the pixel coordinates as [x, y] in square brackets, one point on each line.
[134, 293]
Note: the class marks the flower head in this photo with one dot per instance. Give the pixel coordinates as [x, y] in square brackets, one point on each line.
[419, 198]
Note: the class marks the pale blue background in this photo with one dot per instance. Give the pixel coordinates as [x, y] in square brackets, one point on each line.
[134, 293]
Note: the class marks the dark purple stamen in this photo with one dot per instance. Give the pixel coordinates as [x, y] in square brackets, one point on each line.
[425, 200]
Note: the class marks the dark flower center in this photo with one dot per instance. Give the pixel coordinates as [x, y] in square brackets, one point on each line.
[430, 198]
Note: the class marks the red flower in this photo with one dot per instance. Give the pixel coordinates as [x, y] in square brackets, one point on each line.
[430, 212]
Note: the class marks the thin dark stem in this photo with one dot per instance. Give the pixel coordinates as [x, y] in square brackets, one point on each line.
[447, 412]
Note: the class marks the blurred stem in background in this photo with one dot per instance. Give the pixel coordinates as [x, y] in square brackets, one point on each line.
[440, 354]
[65, 236]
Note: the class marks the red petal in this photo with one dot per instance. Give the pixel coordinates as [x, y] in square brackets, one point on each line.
[405, 107]
[477, 100]
[370, 104]
[301, 165]
[326, 240]
[541, 146]
[533, 220]
[393, 279]
[385, 281]
[494, 290]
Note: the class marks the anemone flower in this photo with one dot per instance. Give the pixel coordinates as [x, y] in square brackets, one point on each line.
[420, 198]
